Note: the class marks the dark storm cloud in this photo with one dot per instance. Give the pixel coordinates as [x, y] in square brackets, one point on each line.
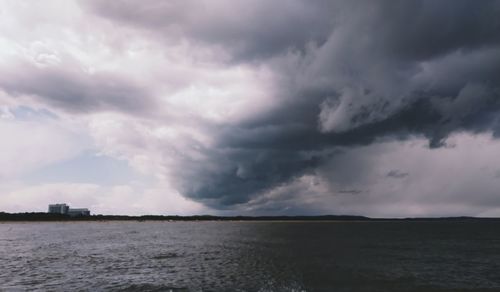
[421, 30]
[349, 73]
[350, 192]
[249, 29]
[397, 174]
[76, 91]
[233, 176]
[415, 30]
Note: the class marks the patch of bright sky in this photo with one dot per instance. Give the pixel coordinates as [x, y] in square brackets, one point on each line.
[89, 167]
[25, 113]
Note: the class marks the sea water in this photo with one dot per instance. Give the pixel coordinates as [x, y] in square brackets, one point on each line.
[250, 256]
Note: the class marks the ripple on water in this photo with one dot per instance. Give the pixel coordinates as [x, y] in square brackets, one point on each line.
[167, 255]
[232, 256]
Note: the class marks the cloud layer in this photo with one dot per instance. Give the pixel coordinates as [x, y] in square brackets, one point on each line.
[277, 107]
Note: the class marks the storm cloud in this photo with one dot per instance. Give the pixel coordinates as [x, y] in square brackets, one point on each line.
[260, 105]
[383, 71]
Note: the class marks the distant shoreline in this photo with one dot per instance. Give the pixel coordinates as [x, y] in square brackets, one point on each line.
[46, 217]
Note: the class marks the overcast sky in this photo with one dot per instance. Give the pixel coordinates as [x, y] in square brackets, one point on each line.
[377, 108]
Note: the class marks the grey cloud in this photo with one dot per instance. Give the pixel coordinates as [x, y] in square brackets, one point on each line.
[397, 174]
[416, 30]
[387, 70]
[248, 29]
[422, 30]
[361, 63]
[76, 91]
[234, 176]
[350, 192]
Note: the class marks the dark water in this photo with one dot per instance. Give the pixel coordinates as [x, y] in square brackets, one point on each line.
[250, 256]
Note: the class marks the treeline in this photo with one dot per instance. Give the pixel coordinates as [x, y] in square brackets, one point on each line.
[61, 217]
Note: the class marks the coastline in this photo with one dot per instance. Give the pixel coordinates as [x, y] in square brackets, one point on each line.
[46, 217]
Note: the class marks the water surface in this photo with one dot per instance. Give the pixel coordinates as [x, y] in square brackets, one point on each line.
[250, 256]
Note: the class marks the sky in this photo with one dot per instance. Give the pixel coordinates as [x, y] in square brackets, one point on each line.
[251, 107]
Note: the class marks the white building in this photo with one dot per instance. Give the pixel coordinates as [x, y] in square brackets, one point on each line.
[79, 212]
[66, 210]
[58, 209]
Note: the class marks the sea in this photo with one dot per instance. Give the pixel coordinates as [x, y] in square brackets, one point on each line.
[250, 256]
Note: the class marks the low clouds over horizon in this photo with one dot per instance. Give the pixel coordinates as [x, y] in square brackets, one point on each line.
[377, 108]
